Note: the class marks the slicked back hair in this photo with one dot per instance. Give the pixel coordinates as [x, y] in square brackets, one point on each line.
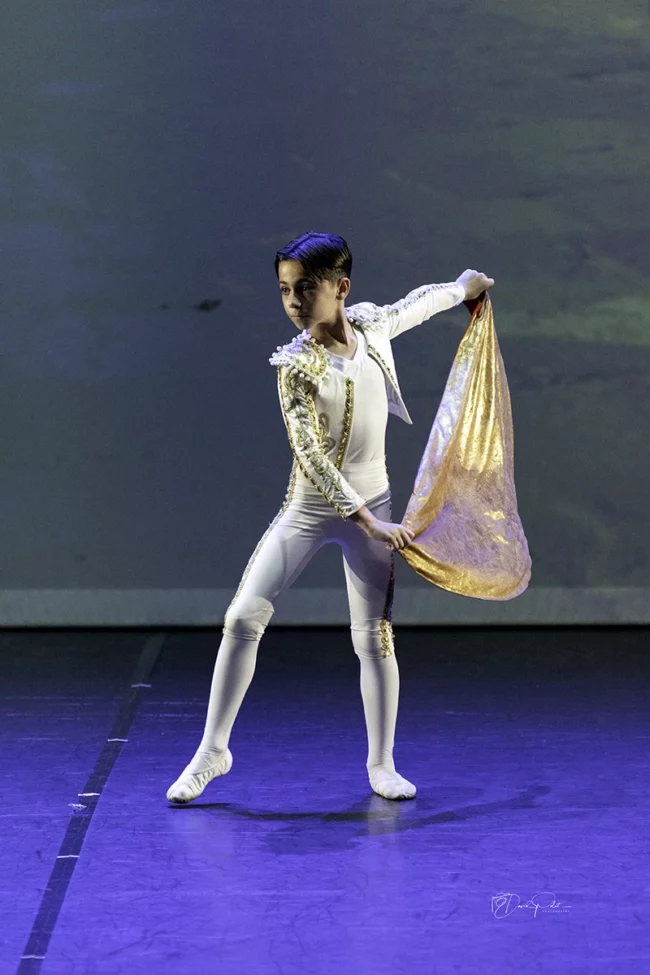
[325, 257]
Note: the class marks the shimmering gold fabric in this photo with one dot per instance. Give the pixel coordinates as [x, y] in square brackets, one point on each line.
[468, 535]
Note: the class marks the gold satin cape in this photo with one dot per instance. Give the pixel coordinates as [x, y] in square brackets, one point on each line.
[463, 510]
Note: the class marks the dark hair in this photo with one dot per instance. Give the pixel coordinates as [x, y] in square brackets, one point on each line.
[324, 256]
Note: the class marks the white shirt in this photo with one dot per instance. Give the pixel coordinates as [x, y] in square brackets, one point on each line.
[364, 465]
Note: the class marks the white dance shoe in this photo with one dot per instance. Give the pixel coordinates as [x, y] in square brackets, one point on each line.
[189, 785]
[390, 784]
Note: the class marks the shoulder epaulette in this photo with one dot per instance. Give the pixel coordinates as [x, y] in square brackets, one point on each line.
[367, 314]
[304, 356]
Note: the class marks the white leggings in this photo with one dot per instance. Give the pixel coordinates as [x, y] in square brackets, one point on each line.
[301, 527]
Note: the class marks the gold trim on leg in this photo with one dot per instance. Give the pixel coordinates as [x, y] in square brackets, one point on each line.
[386, 626]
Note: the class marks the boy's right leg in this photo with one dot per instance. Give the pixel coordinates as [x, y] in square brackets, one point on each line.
[290, 541]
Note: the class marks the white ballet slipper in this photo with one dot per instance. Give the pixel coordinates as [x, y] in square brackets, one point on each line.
[190, 785]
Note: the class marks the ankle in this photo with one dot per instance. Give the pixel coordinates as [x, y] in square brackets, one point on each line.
[387, 764]
[208, 746]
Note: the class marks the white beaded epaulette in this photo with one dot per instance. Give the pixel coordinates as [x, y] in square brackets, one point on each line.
[366, 314]
[304, 356]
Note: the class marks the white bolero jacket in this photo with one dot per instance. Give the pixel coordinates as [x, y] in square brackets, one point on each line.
[303, 362]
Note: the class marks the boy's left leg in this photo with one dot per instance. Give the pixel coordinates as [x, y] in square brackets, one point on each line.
[369, 576]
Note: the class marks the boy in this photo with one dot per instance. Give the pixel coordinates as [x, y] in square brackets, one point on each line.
[336, 383]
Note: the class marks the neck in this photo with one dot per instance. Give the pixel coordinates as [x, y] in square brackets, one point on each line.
[339, 331]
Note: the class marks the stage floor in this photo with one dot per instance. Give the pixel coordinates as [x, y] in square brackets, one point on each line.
[525, 850]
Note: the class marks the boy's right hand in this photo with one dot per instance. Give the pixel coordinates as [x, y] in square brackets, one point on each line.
[395, 534]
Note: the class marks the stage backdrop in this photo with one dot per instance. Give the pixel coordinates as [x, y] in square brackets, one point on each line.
[153, 157]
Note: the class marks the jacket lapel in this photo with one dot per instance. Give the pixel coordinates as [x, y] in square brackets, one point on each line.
[375, 341]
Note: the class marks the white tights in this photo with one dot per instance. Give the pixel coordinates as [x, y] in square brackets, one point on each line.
[301, 527]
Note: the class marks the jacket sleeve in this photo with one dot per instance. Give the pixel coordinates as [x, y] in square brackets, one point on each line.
[420, 304]
[299, 413]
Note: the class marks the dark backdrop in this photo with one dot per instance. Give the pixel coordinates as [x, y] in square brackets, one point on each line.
[154, 155]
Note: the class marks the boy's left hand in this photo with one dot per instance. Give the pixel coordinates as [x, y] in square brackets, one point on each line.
[474, 283]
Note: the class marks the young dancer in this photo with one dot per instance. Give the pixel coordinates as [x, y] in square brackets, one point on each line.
[336, 383]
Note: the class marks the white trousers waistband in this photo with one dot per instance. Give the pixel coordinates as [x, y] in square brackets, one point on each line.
[369, 478]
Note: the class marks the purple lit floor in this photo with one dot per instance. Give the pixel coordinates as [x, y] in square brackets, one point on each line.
[530, 748]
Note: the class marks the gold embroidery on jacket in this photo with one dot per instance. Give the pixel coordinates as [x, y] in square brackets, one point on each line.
[327, 442]
[348, 410]
[304, 438]
[373, 351]
[305, 356]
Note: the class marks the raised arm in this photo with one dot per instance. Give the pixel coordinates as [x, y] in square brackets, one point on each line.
[420, 304]
[299, 413]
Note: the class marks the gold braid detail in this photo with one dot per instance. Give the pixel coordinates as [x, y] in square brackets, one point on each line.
[374, 352]
[347, 421]
[385, 624]
[285, 390]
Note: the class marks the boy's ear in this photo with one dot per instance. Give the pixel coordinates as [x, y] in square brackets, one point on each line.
[343, 287]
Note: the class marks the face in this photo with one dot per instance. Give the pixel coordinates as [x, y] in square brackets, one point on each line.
[306, 301]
